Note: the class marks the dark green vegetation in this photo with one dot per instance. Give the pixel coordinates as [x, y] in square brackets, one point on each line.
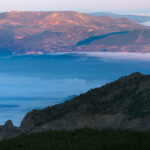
[83, 139]
[129, 95]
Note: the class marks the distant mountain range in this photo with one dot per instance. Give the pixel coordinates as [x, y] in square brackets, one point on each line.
[123, 104]
[136, 18]
[48, 32]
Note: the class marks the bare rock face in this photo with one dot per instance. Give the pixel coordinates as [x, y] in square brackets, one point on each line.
[121, 104]
[8, 124]
[99, 121]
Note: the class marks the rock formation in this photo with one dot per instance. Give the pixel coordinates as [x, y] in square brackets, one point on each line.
[8, 130]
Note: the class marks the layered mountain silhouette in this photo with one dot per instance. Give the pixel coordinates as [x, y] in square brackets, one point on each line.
[123, 104]
[47, 32]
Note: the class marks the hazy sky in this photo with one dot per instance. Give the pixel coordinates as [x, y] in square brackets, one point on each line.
[79, 5]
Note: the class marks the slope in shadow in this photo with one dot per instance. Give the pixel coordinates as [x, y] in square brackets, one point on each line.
[94, 38]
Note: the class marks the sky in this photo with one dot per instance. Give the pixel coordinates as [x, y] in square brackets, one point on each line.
[77, 5]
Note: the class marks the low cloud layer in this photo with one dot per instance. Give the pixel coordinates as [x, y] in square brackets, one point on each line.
[119, 55]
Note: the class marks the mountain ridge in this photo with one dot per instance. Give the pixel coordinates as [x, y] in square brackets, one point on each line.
[121, 104]
[48, 32]
[136, 18]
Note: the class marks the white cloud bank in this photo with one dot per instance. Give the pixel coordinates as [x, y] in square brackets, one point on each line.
[118, 55]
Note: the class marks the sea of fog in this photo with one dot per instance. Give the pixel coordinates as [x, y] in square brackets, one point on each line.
[147, 23]
[35, 81]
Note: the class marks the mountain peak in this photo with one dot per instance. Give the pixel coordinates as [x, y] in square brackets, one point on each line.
[137, 74]
[8, 123]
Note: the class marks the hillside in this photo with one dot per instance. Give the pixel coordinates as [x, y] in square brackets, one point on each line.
[123, 104]
[46, 32]
[136, 18]
[126, 41]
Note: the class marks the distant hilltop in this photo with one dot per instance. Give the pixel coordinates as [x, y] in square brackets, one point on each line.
[122, 104]
[136, 18]
[23, 32]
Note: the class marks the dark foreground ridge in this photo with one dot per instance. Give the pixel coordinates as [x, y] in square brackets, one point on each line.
[122, 104]
[82, 139]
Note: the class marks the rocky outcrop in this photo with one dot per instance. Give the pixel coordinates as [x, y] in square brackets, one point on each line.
[8, 130]
[123, 104]
[9, 124]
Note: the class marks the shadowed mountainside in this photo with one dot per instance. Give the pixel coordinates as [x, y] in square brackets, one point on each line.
[45, 32]
[126, 41]
[120, 104]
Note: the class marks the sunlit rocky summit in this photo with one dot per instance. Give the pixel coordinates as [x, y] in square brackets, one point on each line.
[122, 104]
[47, 32]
